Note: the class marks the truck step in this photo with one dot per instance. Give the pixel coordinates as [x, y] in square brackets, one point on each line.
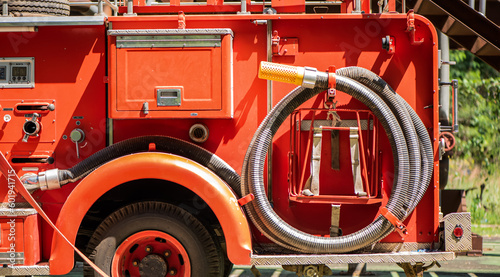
[25, 270]
[16, 211]
[395, 257]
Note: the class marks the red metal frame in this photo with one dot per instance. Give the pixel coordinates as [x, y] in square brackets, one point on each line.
[297, 180]
[72, 73]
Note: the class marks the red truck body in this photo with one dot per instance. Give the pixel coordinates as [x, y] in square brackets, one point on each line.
[113, 79]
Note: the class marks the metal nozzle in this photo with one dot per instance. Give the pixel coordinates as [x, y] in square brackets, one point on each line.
[49, 179]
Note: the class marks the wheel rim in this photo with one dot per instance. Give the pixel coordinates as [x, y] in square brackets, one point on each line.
[151, 253]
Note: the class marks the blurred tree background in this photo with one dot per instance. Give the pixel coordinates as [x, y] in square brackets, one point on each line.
[475, 163]
[478, 139]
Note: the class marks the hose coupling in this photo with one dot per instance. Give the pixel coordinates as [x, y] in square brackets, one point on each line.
[46, 180]
[49, 179]
[308, 77]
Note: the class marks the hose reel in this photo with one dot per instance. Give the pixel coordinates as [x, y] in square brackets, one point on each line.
[410, 143]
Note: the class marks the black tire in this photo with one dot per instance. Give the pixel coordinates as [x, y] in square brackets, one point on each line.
[204, 255]
[221, 245]
[39, 8]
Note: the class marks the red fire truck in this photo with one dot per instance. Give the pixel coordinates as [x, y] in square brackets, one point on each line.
[180, 138]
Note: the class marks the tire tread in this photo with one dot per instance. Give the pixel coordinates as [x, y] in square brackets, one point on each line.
[39, 8]
[216, 266]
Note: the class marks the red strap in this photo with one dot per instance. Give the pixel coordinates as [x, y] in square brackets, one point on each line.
[332, 80]
[400, 227]
[246, 199]
[7, 170]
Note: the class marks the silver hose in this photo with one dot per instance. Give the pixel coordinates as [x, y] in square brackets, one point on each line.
[406, 182]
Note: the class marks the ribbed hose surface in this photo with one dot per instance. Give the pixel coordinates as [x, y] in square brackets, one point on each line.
[406, 179]
[162, 144]
[377, 84]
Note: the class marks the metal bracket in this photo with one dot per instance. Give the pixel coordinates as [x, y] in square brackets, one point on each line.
[255, 271]
[5, 8]
[335, 230]
[400, 227]
[181, 19]
[389, 44]
[284, 46]
[417, 269]
[332, 83]
[243, 7]
[130, 9]
[442, 62]
[454, 87]
[309, 270]
[411, 29]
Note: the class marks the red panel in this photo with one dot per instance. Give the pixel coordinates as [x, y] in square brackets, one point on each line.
[196, 70]
[203, 76]
[32, 240]
[12, 131]
[69, 73]
[289, 6]
[21, 234]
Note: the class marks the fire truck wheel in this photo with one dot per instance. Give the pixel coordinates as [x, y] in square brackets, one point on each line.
[39, 8]
[154, 239]
[218, 236]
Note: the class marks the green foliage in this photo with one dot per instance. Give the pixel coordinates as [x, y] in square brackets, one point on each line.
[482, 191]
[469, 66]
[478, 139]
[477, 151]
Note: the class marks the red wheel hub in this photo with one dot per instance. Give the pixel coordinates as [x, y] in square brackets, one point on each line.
[151, 253]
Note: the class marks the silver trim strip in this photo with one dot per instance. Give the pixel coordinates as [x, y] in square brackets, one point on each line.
[142, 32]
[5, 258]
[396, 257]
[16, 212]
[168, 41]
[306, 124]
[52, 21]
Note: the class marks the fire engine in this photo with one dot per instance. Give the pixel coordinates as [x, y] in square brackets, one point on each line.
[177, 138]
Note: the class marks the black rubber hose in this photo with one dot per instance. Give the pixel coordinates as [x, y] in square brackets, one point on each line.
[162, 144]
[268, 222]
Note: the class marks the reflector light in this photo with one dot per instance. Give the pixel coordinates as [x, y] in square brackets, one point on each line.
[458, 232]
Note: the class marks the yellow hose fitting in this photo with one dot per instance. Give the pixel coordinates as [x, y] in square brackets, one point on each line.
[300, 76]
[281, 73]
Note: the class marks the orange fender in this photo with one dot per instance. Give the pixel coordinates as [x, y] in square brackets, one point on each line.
[185, 172]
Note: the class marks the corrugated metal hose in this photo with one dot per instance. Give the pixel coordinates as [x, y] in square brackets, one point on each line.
[411, 148]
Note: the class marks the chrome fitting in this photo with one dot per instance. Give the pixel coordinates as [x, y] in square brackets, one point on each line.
[310, 74]
[49, 179]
